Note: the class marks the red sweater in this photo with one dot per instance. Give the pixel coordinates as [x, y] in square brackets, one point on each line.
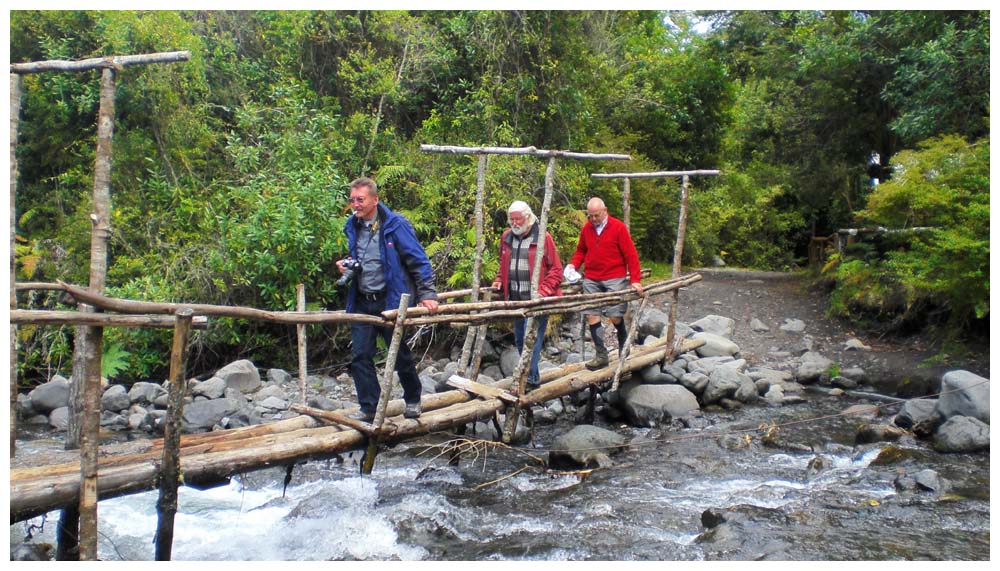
[609, 255]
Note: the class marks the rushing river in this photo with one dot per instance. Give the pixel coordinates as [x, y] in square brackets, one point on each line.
[807, 493]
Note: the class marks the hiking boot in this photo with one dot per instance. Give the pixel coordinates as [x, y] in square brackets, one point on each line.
[412, 410]
[362, 416]
[599, 361]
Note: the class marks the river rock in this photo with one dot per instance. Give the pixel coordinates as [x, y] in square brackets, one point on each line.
[242, 375]
[715, 345]
[49, 396]
[204, 414]
[758, 326]
[931, 481]
[508, 360]
[918, 412]
[278, 376]
[793, 326]
[653, 321]
[585, 445]
[868, 433]
[650, 405]
[269, 391]
[813, 367]
[715, 324]
[964, 394]
[854, 344]
[115, 399]
[726, 382]
[212, 388]
[962, 434]
[653, 375]
[707, 365]
[694, 382]
[273, 403]
[144, 392]
[59, 418]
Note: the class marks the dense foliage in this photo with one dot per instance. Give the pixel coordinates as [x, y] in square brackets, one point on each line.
[230, 170]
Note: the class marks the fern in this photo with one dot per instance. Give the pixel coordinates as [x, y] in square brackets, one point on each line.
[113, 360]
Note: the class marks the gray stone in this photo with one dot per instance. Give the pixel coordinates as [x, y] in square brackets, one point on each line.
[856, 374]
[145, 392]
[49, 396]
[59, 418]
[652, 375]
[242, 375]
[715, 345]
[729, 383]
[653, 322]
[715, 324]
[964, 394]
[758, 326]
[115, 399]
[269, 391]
[212, 388]
[918, 413]
[650, 405]
[203, 415]
[694, 382]
[813, 367]
[931, 481]
[585, 445]
[770, 375]
[508, 360]
[793, 326]
[274, 403]
[279, 376]
[854, 344]
[962, 434]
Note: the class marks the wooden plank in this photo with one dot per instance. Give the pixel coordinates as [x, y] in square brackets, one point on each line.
[480, 390]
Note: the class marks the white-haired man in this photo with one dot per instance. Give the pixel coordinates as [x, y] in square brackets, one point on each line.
[518, 248]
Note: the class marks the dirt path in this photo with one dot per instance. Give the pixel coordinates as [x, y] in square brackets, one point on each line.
[894, 365]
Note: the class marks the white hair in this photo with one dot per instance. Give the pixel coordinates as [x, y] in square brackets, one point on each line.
[522, 207]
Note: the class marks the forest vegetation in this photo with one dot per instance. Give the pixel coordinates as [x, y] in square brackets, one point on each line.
[230, 171]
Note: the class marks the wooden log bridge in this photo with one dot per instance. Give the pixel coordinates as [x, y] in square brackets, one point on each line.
[211, 458]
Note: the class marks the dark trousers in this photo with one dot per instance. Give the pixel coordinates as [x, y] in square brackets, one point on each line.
[363, 347]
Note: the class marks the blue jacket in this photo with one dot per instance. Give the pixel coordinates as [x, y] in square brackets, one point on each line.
[405, 264]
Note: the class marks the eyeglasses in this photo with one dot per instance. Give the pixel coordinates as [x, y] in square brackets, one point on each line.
[356, 199]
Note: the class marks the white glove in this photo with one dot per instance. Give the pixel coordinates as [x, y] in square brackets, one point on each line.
[571, 275]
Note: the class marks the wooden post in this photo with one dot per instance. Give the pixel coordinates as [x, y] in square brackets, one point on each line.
[472, 333]
[170, 473]
[477, 354]
[626, 203]
[676, 267]
[386, 385]
[627, 348]
[300, 329]
[90, 421]
[15, 117]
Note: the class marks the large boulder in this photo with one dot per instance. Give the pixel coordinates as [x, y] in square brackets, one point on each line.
[49, 396]
[715, 345]
[59, 418]
[585, 445]
[653, 322]
[917, 413]
[716, 324]
[212, 388]
[964, 394]
[729, 383]
[241, 375]
[115, 399]
[145, 393]
[650, 405]
[962, 434]
[204, 414]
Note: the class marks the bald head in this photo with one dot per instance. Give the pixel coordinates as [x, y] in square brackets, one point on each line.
[597, 212]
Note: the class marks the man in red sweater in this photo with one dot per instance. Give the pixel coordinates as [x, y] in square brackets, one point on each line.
[610, 263]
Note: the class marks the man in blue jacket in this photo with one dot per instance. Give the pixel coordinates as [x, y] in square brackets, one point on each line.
[390, 262]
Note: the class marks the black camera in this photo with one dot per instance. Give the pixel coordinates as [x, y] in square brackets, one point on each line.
[351, 266]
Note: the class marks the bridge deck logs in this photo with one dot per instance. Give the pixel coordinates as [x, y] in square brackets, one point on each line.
[52, 481]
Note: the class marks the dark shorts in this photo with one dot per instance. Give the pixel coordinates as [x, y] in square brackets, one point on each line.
[599, 286]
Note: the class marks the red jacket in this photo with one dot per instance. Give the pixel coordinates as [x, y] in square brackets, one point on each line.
[609, 255]
[548, 283]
